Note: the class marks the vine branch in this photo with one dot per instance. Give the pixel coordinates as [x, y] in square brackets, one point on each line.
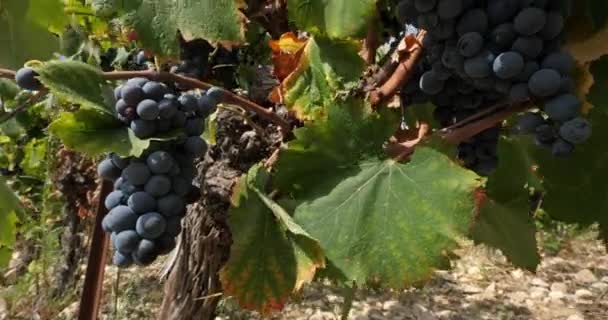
[162, 76]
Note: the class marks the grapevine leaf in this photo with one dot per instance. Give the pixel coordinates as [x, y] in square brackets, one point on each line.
[505, 221]
[348, 134]
[48, 14]
[597, 94]
[324, 69]
[271, 255]
[335, 19]
[94, 133]
[76, 82]
[8, 89]
[389, 222]
[23, 36]
[34, 155]
[9, 207]
[585, 177]
[157, 23]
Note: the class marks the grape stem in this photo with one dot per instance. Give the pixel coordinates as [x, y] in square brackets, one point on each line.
[229, 97]
[404, 70]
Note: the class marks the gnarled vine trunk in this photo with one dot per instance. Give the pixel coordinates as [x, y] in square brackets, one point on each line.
[191, 291]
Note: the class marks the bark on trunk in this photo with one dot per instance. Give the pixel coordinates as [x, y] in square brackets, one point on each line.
[193, 287]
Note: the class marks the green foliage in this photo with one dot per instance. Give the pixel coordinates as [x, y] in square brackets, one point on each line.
[335, 19]
[505, 218]
[34, 157]
[94, 133]
[271, 256]
[598, 95]
[389, 222]
[24, 33]
[324, 70]
[76, 82]
[9, 206]
[8, 89]
[158, 21]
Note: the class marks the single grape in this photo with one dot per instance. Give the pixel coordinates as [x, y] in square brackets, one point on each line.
[501, 11]
[474, 20]
[158, 185]
[124, 186]
[143, 128]
[136, 173]
[195, 126]
[576, 131]
[528, 122]
[503, 35]
[544, 83]
[205, 106]
[529, 69]
[114, 199]
[477, 67]
[137, 81]
[154, 90]
[179, 119]
[117, 94]
[171, 205]
[132, 94]
[121, 106]
[451, 58]
[196, 146]
[122, 261]
[27, 79]
[141, 58]
[508, 65]
[425, 5]
[146, 253]
[449, 9]
[567, 85]
[563, 107]
[148, 109]
[167, 108]
[160, 162]
[562, 62]
[107, 170]
[530, 21]
[142, 202]
[470, 44]
[126, 241]
[428, 21]
[545, 134]
[553, 27]
[529, 47]
[151, 225]
[188, 103]
[562, 148]
[163, 126]
[181, 186]
[216, 94]
[121, 218]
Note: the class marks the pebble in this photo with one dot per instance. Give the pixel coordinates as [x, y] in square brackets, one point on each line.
[539, 283]
[585, 276]
[576, 316]
[556, 295]
[605, 279]
[390, 304]
[538, 292]
[559, 287]
[583, 294]
[321, 315]
[600, 286]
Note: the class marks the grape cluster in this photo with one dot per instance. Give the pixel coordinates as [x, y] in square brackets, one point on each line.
[148, 201]
[479, 53]
[150, 107]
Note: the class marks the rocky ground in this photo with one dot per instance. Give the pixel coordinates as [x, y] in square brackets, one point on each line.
[572, 285]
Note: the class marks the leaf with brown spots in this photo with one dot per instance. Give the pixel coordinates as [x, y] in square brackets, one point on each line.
[271, 256]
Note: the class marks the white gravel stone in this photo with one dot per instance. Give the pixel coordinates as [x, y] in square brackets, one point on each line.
[559, 287]
[585, 276]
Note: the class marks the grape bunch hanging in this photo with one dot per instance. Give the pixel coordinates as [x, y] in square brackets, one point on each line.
[150, 192]
[480, 53]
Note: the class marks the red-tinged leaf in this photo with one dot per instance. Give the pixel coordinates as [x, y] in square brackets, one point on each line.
[271, 256]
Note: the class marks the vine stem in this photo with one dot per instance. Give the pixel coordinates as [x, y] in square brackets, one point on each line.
[162, 76]
[229, 97]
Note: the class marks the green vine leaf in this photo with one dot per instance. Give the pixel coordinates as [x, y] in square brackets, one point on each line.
[391, 223]
[8, 89]
[9, 207]
[34, 158]
[335, 19]
[505, 218]
[324, 69]
[597, 93]
[24, 36]
[76, 82]
[93, 133]
[271, 256]
[351, 132]
[157, 23]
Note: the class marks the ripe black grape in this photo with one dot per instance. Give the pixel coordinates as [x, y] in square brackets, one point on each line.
[158, 185]
[160, 162]
[122, 260]
[530, 21]
[115, 199]
[529, 47]
[141, 202]
[107, 170]
[126, 241]
[563, 107]
[151, 225]
[576, 131]
[561, 62]
[508, 65]
[553, 27]
[132, 94]
[148, 109]
[121, 218]
[188, 103]
[544, 83]
[26, 78]
[154, 90]
[449, 9]
[136, 173]
[171, 205]
[470, 44]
